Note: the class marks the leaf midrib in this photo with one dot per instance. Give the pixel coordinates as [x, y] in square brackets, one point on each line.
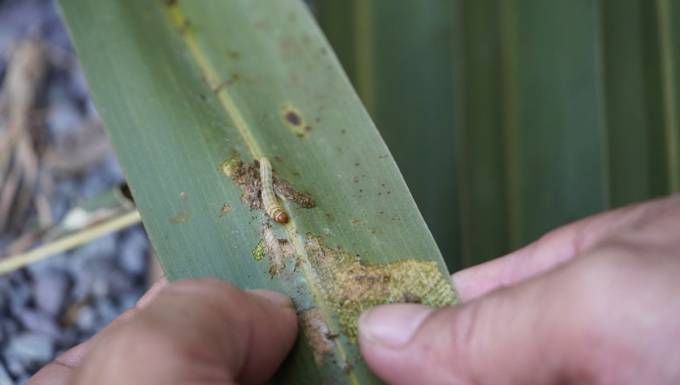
[227, 102]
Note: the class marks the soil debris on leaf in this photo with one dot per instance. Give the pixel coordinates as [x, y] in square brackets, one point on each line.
[351, 286]
[286, 191]
[247, 177]
[318, 334]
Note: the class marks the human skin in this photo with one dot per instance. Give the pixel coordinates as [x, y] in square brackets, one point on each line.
[595, 302]
[197, 332]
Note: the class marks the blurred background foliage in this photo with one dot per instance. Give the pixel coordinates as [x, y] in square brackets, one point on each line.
[510, 118]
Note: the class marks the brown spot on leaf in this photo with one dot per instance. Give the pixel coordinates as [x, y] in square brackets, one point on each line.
[229, 82]
[352, 287]
[185, 26]
[232, 55]
[295, 122]
[316, 330]
[293, 118]
[226, 208]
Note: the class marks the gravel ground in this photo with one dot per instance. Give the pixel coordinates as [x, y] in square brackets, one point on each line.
[54, 304]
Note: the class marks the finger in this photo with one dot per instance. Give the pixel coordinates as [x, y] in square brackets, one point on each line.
[199, 331]
[554, 248]
[60, 370]
[532, 333]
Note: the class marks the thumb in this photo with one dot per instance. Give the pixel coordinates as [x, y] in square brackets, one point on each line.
[533, 333]
[196, 332]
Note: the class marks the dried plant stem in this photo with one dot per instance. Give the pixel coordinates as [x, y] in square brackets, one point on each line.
[68, 242]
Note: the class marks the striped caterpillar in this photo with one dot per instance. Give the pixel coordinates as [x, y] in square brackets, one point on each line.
[271, 204]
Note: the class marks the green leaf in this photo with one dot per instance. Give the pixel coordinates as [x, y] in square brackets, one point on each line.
[406, 79]
[192, 93]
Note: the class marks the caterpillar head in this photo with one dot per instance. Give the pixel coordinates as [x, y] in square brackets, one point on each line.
[279, 215]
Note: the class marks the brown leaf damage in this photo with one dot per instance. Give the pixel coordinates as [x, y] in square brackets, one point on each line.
[320, 338]
[352, 287]
[247, 177]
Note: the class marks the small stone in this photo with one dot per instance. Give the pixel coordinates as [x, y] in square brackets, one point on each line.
[39, 322]
[101, 248]
[87, 319]
[14, 365]
[120, 282]
[108, 280]
[5, 379]
[63, 118]
[106, 312]
[133, 252]
[9, 327]
[111, 170]
[49, 291]
[129, 299]
[68, 337]
[82, 287]
[20, 295]
[55, 263]
[30, 349]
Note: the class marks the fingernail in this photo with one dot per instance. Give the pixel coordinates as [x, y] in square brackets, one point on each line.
[273, 297]
[392, 326]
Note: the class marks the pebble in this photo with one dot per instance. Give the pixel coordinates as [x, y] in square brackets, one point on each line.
[103, 248]
[18, 300]
[10, 327]
[14, 365]
[106, 311]
[39, 322]
[129, 300]
[87, 319]
[63, 117]
[5, 379]
[30, 349]
[50, 291]
[133, 252]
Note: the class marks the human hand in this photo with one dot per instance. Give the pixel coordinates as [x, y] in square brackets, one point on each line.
[595, 302]
[189, 332]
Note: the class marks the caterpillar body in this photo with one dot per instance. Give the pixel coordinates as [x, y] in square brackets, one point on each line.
[269, 201]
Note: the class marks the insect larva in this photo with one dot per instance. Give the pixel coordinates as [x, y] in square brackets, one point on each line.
[271, 204]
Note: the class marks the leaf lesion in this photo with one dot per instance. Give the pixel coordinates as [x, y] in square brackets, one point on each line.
[247, 177]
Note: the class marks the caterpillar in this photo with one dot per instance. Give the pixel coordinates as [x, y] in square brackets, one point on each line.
[269, 201]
